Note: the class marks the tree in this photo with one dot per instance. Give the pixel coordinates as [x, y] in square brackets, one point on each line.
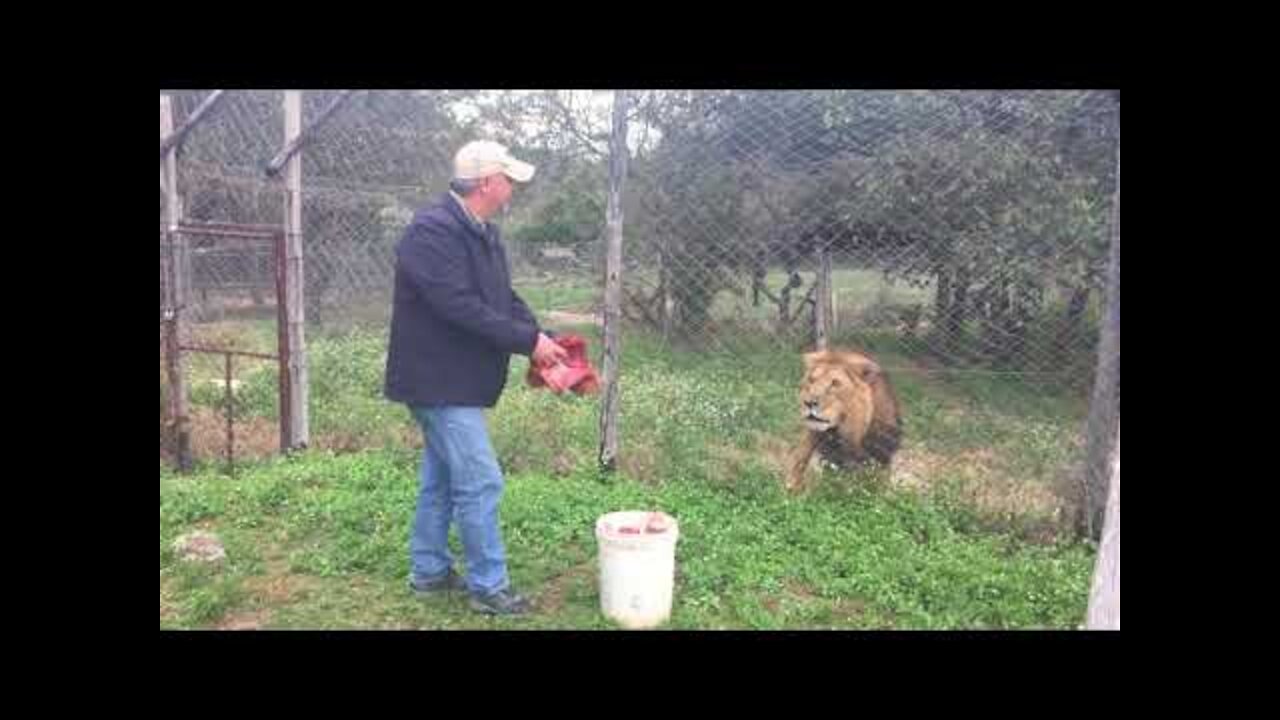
[992, 214]
[569, 214]
[994, 199]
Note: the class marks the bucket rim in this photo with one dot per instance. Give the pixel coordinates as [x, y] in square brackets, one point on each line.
[604, 531]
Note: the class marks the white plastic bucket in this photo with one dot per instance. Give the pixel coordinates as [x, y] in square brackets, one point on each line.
[637, 566]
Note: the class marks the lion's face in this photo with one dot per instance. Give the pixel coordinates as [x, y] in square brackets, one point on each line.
[849, 411]
[836, 392]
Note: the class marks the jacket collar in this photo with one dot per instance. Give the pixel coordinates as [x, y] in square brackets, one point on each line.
[463, 213]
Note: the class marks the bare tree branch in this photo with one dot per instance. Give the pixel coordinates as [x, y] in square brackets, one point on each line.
[563, 115]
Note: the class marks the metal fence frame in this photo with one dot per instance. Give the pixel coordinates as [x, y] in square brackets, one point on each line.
[358, 144]
[172, 315]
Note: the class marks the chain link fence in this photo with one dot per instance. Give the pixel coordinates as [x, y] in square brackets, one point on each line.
[220, 180]
[961, 238]
[228, 208]
[971, 226]
[963, 235]
[384, 154]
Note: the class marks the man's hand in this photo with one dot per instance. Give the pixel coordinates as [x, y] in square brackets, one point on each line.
[548, 352]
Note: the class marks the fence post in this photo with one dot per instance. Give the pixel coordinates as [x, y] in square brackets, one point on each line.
[1104, 407]
[1104, 598]
[176, 332]
[822, 303]
[613, 284]
[299, 425]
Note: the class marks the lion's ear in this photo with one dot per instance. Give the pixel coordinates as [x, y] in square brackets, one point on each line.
[869, 372]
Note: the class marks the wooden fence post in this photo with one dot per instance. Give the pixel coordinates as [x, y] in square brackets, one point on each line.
[618, 153]
[178, 276]
[298, 388]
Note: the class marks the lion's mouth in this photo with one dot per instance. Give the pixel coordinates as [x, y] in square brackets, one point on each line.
[815, 422]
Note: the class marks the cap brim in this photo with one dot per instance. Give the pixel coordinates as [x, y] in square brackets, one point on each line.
[518, 171]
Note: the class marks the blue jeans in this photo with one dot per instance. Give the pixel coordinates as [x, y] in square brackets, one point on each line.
[461, 481]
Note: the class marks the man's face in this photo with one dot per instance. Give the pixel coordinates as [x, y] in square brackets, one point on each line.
[499, 189]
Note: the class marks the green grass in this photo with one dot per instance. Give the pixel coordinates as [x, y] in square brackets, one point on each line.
[544, 295]
[319, 541]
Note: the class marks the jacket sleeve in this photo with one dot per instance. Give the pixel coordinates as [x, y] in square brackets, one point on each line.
[437, 269]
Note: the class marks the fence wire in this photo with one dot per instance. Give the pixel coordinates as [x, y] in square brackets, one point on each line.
[966, 233]
[970, 226]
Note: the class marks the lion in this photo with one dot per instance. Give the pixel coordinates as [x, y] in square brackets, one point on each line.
[850, 413]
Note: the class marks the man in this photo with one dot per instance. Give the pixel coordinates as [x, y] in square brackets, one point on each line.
[455, 322]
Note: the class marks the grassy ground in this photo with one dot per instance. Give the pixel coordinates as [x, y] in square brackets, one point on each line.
[965, 536]
[318, 541]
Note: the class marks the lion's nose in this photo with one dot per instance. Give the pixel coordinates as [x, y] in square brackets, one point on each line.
[811, 404]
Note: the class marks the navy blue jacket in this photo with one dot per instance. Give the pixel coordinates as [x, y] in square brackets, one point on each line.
[455, 319]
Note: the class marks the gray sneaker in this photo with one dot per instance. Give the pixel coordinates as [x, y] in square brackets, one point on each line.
[423, 587]
[503, 602]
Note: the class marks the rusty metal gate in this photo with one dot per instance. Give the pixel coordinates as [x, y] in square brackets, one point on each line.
[235, 281]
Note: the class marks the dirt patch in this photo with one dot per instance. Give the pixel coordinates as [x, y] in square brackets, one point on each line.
[799, 590]
[258, 438]
[639, 463]
[275, 588]
[730, 461]
[848, 609]
[254, 437]
[552, 596]
[915, 468]
[793, 590]
[979, 480]
[340, 442]
[1006, 496]
[278, 589]
[777, 451]
[841, 610]
[277, 585]
[229, 335]
[563, 464]
[399, 436]
[252, 620]
[411, 437]
[168, 607]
